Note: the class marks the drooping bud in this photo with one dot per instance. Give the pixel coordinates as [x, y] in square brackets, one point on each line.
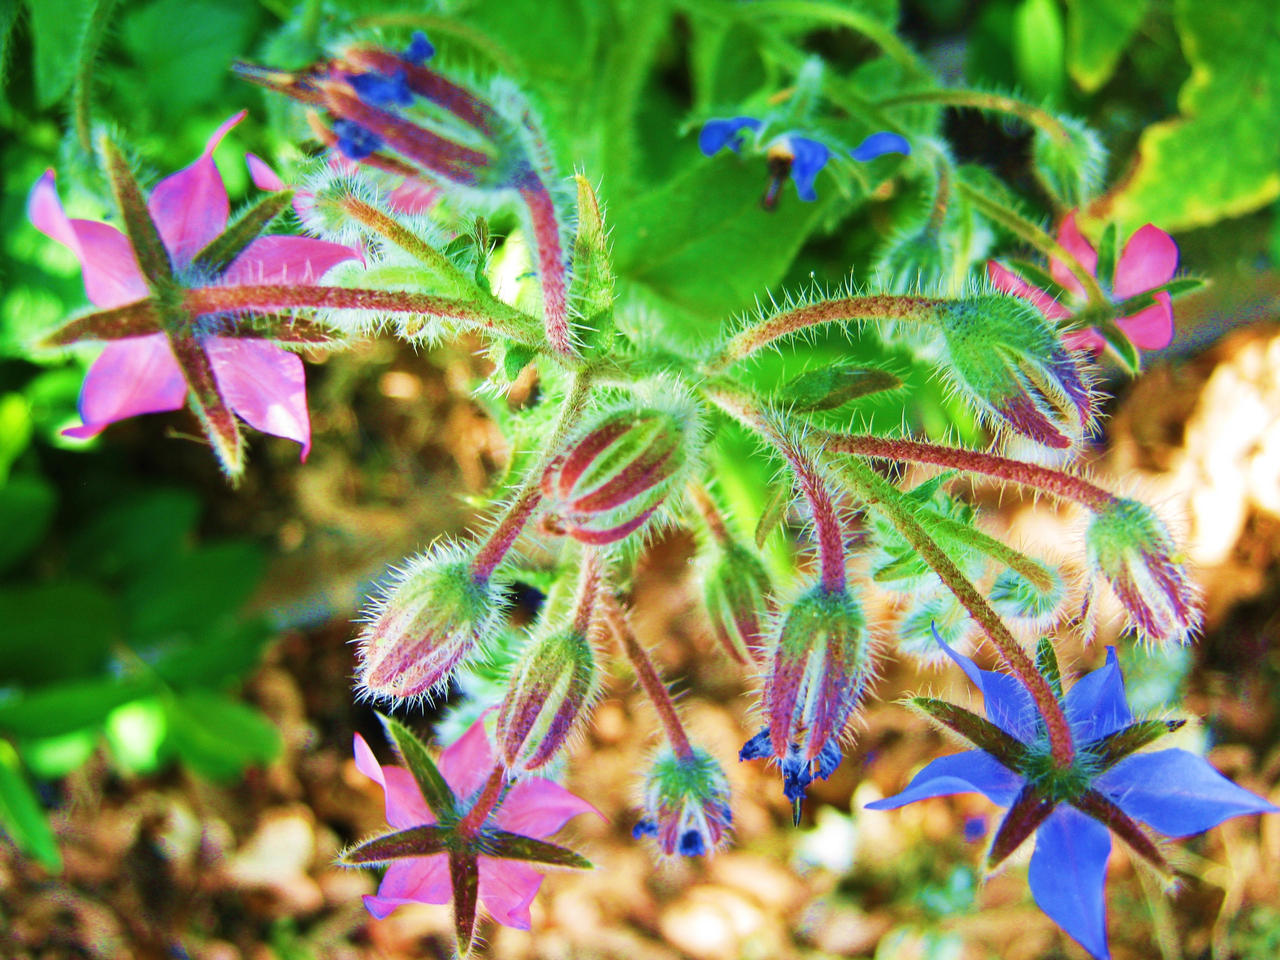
[918, 262]
[1024, 601]
[435, 616]
[934, 613]
[1070, 161]
[820, 665]
[1127, 544]
[737, 591]
[550, 685]
[686, 804]
[611, 478]
[1006, 359]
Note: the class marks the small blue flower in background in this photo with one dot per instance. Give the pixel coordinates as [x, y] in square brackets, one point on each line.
[1073, 812]
[800, 158]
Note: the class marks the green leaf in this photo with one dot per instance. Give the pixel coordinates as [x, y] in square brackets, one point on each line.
[194, 591]
[440, 799]
[1097, 33]
[8, 18]
[423, 841]
[57, 29]
[221, 653]
[52, 757]
[136, 734]
[1221, 156]
[68, 707]
[26, 510]
[514, 846]
[54, 631]
[21, 815]
[1038, 48]
[130, 536]
[514, 359]
[15, 431]
[833, 386]
[217, 737]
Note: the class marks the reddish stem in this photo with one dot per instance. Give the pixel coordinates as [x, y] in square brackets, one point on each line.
[551, 270]
[710, 514]
[470, 825]
[653, 686]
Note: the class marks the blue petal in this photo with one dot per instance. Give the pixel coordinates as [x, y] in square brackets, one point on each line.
[380, 90]
[1068, 869]
[879, 144]
[644, 828]
[719, 133]
[420, 48]
[1096, 705]
[970, 772]
[810, 156]
[757, 747]
[1176, 792]
[1008, 703]
[691, 844]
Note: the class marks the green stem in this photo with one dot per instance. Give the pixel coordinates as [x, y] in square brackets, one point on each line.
[998, 550]
[1029, 113]
[82, 95]
[890, 501]
[1019, 225]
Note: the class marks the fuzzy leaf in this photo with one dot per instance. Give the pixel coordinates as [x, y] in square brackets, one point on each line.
[229, 244]
[592, 291]
[1097, 33]
[1047, 665]
[833, 386]
[1107, 813]
[423, 841]
[58, 29]
[1027, 813]
[1114, 748]
[513, 846]
[979, 731]
[774, 512]
[20, 813]
[26, 510]
[440, 799]
[464, 871]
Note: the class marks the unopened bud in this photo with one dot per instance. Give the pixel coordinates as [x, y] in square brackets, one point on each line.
[686, 804]
[551, 684]
[434, 617]
[737, 591]
[1070, 162]
[1026, 602]
[918, 262]
[1127, 544]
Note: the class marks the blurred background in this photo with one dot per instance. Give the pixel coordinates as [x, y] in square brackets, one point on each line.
[175, 709]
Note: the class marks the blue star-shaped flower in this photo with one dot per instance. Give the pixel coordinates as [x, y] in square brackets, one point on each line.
[1072, 812]
[789, 154]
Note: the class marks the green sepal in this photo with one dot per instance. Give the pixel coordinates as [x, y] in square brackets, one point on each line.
[219, 253]
[1111, 749]
[979, 731]
[515, 358]
[1038, 276]
[205, 399]
[118, 323]
[143, 234]
[1116, 820]
[1026, 815]
[1175, 288]
[1047, 665]
[1122, 346]
[464, 871]
[1106, 269]
[435, 791]
[514, 846]
[423, 841]
[833, 386]
[591, 291]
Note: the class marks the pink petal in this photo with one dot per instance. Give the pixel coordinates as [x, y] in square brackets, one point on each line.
[1148, 260]
[1008, 282]
[130, 377]
[415, 880]
[467, 764]
[264, 385]
[190, 207]
[112, 276]
[538, 808]
[283, 259]
[413, 196]
[1088, 339]
[1070, 237]
[1152, 328]
[507, 887]
[263, 177]
[405, 806]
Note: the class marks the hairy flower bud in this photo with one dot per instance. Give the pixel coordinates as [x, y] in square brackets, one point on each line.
[821, 662]
[614, 474]
[1018, 598]
[1005, 358]
[686, 804]
[1071, 162]
[1127, 544]
[550, 684]
[918, 262]
[434, 616]
[737, 591]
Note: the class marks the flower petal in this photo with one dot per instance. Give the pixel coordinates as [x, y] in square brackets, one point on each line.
[878, 144]
[810, 156]
[507, 887]
[264, 178]
[466, 764]
[1008, 703]
[413, 196]
[1096, 705]
[405, 806]
[1151, 328]
[413, 880]
[1070, 237]
[299, 261]
[112, 276]
[264, 385]
[973, 771]
[719, 133]
[538, 808]
[1176, 792]
[1148, 260]
[130, 377]
[1087, 339]
[190, 207]
[1068, 870]
[1006, 281]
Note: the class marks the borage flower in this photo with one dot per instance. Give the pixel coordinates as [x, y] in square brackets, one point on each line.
[160, 356]
[1148, 261]
[789, 154]
[462, 832]
[1108, 786]
[686, 803]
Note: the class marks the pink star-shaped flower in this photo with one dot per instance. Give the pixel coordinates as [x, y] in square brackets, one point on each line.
[1149, 260]
[531, 808]
[158, 358]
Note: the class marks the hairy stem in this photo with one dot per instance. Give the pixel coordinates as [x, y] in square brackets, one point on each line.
[82, 95]
[1029, 113]
[710, 514]
[405, 239]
